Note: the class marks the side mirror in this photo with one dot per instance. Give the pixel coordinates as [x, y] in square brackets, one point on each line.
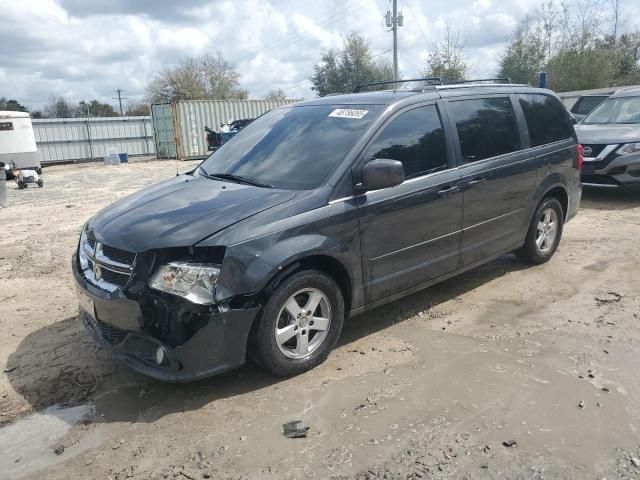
[382, 173]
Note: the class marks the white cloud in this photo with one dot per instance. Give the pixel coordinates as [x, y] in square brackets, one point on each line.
[86, 49]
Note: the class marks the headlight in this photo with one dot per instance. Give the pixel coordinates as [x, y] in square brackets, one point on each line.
[629, 149]
[194, 281]
[82, 255]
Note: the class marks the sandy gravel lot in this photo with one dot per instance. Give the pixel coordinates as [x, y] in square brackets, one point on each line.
[427, 387]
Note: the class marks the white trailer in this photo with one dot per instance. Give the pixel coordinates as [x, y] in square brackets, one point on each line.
[18, 149]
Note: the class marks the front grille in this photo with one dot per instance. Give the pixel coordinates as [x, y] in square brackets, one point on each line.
[117, 255]
[91, 241]
[600, 164]
[595, 149]
[111, 334]
[115, 278]
[108, 267]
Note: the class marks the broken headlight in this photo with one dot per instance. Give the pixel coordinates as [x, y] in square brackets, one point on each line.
[194, 281]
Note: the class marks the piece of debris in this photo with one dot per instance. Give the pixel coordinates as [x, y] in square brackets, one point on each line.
[609, 297]
[510, 443]
[486, 448]
[605, 389]
[581, 404]
[243, 438]
[635, 461]
[598, 404]
[117, 445]
[9, 369]
[58, 450]
[295, 429]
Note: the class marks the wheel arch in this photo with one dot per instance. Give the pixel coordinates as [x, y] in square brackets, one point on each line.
[560, 193]
[327, 264]
[554, 185]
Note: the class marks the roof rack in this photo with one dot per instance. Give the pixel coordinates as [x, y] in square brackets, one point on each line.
[480, 80]
[432, 81]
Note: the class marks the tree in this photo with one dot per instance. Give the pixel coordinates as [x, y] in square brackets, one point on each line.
[137, 109]
[524, 55]
[569, 42]
[342, 70]
[446, 60]
[276, 95]
[11, 105]
[579, 69]
[208, 77]
[58, 108]
[95, 109]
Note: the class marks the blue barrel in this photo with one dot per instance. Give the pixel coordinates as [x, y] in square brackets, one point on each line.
[123, 157]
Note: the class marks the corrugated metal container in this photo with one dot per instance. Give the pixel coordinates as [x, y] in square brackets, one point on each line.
[179, 126]
[72, 139]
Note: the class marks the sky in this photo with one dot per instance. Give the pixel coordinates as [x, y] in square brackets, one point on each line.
[86, 49]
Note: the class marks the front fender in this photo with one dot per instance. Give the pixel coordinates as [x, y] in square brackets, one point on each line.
[248, 266]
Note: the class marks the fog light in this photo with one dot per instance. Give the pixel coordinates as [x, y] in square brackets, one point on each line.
[161, 356]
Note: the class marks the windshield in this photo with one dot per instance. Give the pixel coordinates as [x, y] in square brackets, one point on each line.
[292, 148]
[615, 110]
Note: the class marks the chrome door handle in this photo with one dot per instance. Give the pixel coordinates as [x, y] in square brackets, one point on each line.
[476, 181]
[446, 191]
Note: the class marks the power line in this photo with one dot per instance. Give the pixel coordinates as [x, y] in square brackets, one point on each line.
[417, 22]
[340, 10]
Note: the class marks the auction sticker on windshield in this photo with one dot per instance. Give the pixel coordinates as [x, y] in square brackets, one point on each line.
[348, 113]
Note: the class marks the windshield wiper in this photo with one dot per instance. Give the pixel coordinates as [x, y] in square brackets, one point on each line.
[237, 179]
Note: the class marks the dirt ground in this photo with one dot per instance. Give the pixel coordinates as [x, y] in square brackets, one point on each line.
[427, 387]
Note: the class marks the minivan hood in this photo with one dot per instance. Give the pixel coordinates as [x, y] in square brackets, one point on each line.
[180, 212]
[607, 134]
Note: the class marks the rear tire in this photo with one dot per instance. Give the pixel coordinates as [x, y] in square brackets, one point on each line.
[300, 324]
[544, 234]
[21, 185]
[40, 183]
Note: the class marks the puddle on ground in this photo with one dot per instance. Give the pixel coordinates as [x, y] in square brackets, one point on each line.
[27, 445]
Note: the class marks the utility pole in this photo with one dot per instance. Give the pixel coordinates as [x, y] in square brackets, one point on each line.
[394, 20]
[119, 98]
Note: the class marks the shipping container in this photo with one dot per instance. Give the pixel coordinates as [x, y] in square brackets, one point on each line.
[179, 126]
[73, 139]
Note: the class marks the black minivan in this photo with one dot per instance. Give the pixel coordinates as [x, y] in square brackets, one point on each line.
[321, 210]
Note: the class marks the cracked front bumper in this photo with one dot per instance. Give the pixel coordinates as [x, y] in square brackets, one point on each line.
[115, 323]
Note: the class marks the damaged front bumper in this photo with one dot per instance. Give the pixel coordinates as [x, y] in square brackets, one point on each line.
[121, 325]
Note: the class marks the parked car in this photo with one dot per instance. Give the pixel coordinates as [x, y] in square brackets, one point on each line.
[610, 136]
[585, 104]
[321, 210]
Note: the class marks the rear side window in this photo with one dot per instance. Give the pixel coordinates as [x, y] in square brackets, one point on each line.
[486, 127]
[585, 104]
[546, 119]
[416, 138]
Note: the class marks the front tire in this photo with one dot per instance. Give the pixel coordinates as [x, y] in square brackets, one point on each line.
[544, 232]
[300, 323]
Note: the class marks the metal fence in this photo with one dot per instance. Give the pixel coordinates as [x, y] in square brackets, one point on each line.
[179, 126]
[73, 139]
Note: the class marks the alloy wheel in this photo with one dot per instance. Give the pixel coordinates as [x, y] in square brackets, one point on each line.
[303, 323]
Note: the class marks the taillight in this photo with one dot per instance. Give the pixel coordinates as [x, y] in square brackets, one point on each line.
[580, 159]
